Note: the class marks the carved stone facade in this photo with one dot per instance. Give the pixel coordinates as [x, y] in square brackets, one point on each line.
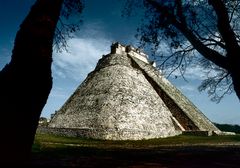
[126, 97]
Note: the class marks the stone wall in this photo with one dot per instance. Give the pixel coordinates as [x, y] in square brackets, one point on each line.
[117, 102]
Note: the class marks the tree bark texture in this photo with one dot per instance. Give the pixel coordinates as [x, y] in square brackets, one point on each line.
[235, 71]
[26, 81]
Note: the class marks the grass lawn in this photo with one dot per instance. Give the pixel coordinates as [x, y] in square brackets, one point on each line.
[178, 151]
[44, 140]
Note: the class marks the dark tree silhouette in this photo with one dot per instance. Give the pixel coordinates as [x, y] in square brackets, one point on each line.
[26, 81]
[176, 30]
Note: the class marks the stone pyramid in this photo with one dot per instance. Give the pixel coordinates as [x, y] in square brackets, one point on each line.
[126, 97]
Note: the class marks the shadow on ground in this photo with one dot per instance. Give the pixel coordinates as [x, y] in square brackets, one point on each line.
[169, 157]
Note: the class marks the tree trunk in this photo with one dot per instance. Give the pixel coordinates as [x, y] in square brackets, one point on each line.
[236, 83]
[26, 82]
[231, 43]
[234, 60]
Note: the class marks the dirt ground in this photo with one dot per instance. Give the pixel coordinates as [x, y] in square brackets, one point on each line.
[162, 157]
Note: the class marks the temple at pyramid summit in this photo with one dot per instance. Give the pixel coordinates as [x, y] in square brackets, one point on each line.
[127, 98]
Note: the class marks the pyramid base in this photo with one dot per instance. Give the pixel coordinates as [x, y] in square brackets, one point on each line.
[105, 134]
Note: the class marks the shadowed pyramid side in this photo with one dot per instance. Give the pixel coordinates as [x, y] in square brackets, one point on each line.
[188, 115]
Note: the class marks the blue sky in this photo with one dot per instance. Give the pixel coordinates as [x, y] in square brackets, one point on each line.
[102, 26]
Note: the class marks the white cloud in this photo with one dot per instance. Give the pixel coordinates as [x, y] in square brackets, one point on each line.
[194, 72]
[187, 88]
[81, 58]
[58, 92]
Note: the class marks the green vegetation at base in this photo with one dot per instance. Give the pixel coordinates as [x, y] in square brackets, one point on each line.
[43, 141]
[65, 151]
[228, 127]
[58, 151]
